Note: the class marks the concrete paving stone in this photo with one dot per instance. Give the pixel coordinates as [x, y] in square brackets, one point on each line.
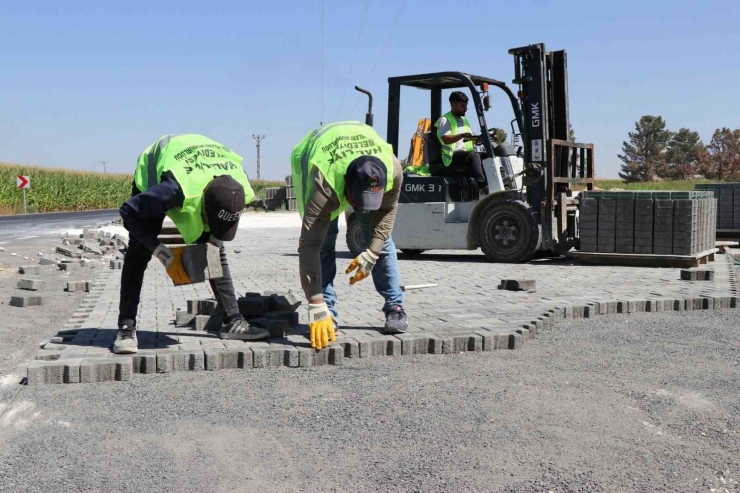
[253, 307]
[208, 323]
[694, 304]
[183, 318]
[144, 361]
[188, 360]
[44, 355]
[525, 333]
[44, 372]
[207, 307]
[283, 302]
[202, 262]
[277, 327]
[259, 357]
[31, 284]
[232, 343]
[213, 358]
[518, 285]
[165, 359]
[29, 269]
[290, 317]
[290, 356]
[306, 357]
[95, 370]
[351, 347]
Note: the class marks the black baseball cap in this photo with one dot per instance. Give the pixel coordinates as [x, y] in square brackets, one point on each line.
[366, 177]
[224, 202]
[458, 96]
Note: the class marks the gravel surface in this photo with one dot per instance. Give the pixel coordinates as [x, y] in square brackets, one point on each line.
[21, 329]
[648, 403]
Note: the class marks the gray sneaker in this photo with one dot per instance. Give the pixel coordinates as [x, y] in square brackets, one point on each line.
[396, 321]
[126, 342]
[240, 329]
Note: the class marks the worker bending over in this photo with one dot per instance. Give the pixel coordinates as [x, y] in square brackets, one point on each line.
[459, 157]
[200, 185]
[336, 166]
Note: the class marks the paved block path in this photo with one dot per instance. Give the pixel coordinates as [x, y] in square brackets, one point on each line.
[465, 312]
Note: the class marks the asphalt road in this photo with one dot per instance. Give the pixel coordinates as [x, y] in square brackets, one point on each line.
[26, 227]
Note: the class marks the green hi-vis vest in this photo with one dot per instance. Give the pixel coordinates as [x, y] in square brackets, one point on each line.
[449, 149]
[194, 160]
[331, 149]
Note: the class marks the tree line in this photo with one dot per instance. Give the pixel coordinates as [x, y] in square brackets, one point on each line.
[655, 152]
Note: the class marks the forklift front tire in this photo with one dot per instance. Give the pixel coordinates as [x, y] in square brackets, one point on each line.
[355, 239]
[508, 232]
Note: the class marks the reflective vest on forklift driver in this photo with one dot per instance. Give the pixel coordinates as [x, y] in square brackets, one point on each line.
[194, 160]
[331, 149]
[449, 149]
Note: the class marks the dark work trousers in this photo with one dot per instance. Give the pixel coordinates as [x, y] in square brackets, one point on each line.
[466, 163]
[135, 263]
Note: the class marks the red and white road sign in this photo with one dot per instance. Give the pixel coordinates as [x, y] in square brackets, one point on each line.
[23, 181]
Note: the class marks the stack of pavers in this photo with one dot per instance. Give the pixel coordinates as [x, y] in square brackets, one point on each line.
[647, 222]
[728, 205]
[274, 311]
[281, 197]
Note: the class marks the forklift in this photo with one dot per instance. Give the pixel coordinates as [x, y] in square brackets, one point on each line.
[531, 208]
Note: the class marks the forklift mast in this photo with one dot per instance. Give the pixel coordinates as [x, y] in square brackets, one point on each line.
[543, 80]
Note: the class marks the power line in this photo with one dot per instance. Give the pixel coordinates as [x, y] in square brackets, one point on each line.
[259, 139]
[382, 51]
[322, 63]
[104, 163]
[354, 57]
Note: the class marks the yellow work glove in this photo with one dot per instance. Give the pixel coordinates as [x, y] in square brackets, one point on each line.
[171, 258]
[364, 264]
[320, 325]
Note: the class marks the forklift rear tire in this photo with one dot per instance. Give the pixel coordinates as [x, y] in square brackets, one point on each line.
[412, 251]
[508, 232]
[355, 239]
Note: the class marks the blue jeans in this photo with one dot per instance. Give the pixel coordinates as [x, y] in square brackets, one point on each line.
[385, 272]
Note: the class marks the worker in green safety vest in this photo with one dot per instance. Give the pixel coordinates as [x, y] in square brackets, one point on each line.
[459, 157]
[200, 185]
[334, 167]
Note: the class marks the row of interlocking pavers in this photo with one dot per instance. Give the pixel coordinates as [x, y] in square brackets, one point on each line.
[465, 312]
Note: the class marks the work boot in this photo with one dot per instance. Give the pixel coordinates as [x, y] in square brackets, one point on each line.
[396, 321]
[240, 329]
[126, 342]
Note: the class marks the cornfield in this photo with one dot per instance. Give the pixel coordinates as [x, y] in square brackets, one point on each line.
[56, 190]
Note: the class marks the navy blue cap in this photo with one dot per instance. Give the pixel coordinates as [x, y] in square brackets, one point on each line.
[366, 177]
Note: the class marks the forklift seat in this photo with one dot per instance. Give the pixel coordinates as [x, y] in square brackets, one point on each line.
[432, 149]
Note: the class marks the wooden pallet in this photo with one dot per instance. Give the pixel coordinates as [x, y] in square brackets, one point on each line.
[646, 260]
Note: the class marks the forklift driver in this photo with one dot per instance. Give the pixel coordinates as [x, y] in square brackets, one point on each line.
[459, 158]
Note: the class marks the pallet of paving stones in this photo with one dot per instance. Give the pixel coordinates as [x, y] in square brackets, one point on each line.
[728, 206]
[645, 260]
[289, 180]
[291, 204]
[647, 223]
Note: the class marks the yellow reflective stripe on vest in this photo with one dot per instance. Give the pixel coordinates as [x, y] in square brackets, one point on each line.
[153, 157]
[449, 149]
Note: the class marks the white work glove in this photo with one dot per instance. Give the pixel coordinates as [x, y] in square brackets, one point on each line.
[164, 255]
[320, 325]
[364, 264]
